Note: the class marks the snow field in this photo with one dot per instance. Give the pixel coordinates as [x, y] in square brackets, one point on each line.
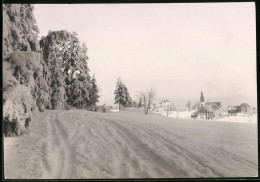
[239, 118]
[80, 144]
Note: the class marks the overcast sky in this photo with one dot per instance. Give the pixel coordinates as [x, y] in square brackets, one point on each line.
[180, 49]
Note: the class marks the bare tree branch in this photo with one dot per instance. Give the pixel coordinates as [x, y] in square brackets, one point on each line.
[147, 98]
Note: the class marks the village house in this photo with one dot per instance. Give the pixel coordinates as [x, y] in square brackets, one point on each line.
[244, 108]
[153, 107]
[234, 110]
[208, 110]
[165, 103]
[214, 109]
[166, 106]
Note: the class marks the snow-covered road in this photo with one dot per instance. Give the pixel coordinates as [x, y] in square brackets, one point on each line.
[83, 144]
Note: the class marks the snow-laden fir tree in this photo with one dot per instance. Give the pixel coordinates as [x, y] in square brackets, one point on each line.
[128, 100]
[122, 96]
[24, 87]
[78, 80]
[93, 92]
[52, 73]
[71, 58]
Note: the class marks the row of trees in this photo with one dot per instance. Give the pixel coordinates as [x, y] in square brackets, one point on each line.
[123, 99]
[48, 74]
[145, 98]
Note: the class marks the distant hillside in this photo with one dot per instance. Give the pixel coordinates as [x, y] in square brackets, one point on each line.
[48, 74]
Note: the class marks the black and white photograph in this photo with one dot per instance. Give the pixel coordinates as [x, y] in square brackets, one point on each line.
[129, 91]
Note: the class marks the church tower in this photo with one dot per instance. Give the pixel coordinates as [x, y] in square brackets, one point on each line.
[201, 99]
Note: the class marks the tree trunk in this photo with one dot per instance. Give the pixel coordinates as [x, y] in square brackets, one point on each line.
[146, 110]
[10, 128]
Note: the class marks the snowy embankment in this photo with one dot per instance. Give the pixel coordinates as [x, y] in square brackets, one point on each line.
[84, 144]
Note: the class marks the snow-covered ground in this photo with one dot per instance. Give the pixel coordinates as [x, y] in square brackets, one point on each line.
[239, 118]
[83, 144]
[177, 114]
[114, 110]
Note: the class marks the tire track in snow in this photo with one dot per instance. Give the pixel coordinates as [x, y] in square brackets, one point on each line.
[57, 156]
[203, 160]
[45, 151]
[159, 165]
[212, 149]
[199, 163]
[189, 156]
[66, 150]
[110, 148]
[124, 162]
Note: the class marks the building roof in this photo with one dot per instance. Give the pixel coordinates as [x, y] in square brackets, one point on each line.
[216, 105]
[210, 107]
[234, 109]
[164, 101]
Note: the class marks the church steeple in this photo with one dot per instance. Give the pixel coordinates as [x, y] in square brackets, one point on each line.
[201, 97]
